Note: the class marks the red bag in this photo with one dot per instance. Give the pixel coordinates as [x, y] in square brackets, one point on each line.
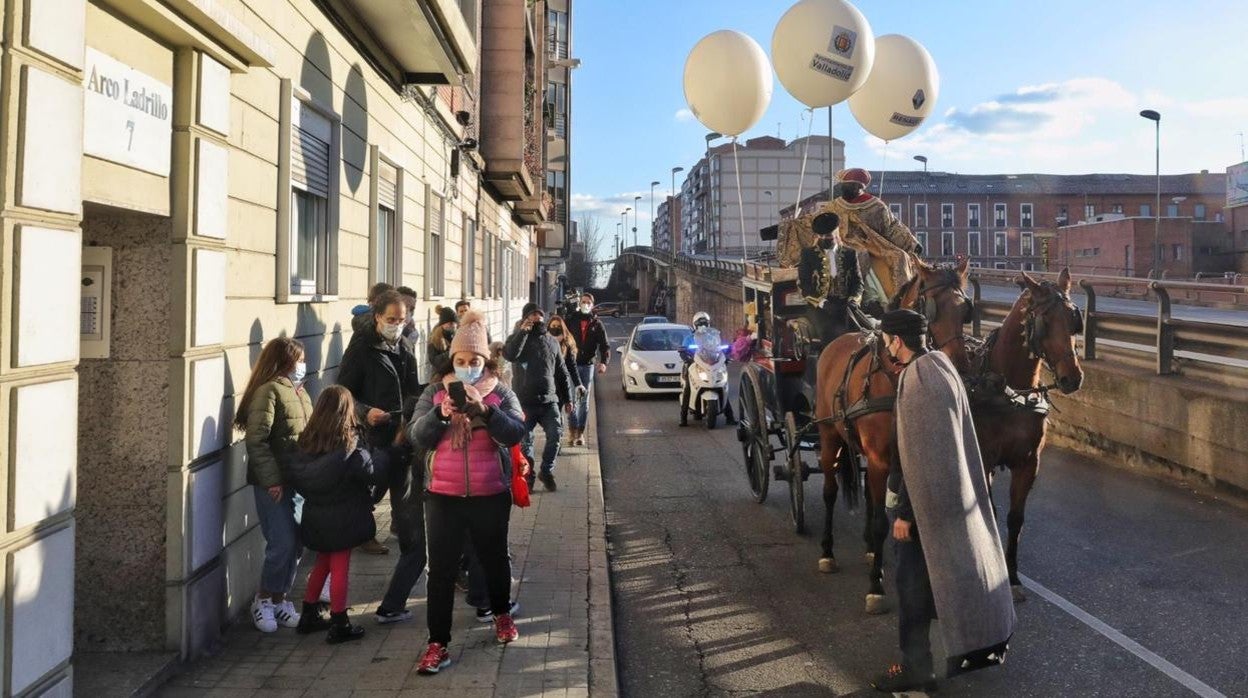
[519, 484]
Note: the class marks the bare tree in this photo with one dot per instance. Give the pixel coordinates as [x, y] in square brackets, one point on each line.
[582, 266]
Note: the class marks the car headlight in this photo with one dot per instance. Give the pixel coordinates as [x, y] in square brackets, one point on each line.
[634, 366]
[703, 377]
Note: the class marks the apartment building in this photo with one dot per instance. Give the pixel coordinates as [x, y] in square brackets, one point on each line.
[186, 180]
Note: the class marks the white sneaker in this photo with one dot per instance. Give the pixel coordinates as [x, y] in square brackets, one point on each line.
[325, 591]
[262, 615]
[286, 615]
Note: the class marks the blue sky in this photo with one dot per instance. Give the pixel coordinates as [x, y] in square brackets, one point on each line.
[1087, 68]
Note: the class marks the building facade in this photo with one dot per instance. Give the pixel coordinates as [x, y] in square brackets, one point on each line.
[1127, 247]
[1237, 213]
[771, 176]
[556, 237]
[185, 180]
[666, 231]
[1011, 221]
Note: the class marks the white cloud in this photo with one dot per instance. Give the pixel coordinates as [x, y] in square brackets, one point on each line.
[1085, 124]
[607, 210]
[684, 115]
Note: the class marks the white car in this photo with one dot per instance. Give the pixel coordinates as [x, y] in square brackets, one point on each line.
[650, 361]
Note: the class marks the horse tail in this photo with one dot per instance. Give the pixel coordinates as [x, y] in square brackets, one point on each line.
[847, 471]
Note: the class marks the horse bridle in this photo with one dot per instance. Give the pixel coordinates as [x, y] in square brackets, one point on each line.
[1035, 327]
[926, 306]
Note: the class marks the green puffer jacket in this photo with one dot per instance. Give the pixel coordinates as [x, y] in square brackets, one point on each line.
[276, 416]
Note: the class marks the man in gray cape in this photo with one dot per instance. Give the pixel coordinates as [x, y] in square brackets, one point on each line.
[956, 571]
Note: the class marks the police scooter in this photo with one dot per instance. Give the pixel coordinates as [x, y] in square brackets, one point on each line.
[704, 382]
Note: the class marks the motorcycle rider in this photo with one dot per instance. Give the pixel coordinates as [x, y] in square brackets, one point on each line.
[701, 329]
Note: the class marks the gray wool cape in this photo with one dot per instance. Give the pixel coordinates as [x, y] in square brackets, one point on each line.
[948, 491]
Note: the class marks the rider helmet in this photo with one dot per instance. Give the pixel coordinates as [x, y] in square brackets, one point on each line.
[701, 319]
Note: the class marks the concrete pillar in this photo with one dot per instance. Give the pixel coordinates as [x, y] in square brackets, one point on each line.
[40, 271]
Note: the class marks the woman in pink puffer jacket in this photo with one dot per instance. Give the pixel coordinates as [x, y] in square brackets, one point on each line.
[466, 450]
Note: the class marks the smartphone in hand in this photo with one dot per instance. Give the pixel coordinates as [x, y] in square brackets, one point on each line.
[457, 394]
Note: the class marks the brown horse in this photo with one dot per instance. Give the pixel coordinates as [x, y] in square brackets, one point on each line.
[857, 384]
[1007, 399]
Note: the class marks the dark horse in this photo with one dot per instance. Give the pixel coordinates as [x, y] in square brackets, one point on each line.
[1008, 401]
[857, 385]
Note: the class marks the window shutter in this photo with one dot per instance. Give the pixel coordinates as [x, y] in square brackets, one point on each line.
[387, 185]
[310, 138]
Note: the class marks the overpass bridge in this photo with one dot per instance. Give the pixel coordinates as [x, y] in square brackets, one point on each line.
[1165, 362]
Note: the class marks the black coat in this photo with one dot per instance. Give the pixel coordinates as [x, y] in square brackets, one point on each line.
[380, 378]
[337, 498]
[541, 375]
[591, 338]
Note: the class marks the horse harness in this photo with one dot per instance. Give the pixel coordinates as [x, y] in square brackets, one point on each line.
[1035, 327]
[926, 306]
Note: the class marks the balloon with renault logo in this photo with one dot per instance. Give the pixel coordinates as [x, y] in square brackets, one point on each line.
[823, 51]
[727, 82]
[901, 91]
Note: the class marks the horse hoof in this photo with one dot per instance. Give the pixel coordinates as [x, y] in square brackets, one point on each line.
[877, 604]
[827, 565]
[1017, 591]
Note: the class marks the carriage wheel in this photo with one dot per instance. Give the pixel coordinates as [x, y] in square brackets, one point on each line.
[755, 444]
[797, 485]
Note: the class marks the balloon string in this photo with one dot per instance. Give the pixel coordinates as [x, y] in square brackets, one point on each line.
[883, 163]
[810, 126]
[736, 167]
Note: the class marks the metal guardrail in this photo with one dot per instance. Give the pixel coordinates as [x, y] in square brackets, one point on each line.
[1225, 293]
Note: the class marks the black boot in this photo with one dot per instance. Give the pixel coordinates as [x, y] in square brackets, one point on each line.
[342, 630]
[311, 620]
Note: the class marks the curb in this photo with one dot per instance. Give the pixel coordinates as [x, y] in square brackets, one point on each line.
[603, 677]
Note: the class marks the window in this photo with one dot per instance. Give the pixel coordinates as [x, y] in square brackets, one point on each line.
[1089, 210]
[557, 108]
[307, 218]
[556, 184]
[1116, 208]
[435, 244]
[1200, 212]
[1027, 245]
[1172, 210]
[1146, 210]
[920, 215]
[470, 257]
[1000, 244]
[946, 215]
[895, 209]
[1063, 215]
[387, 248]
[1028, 266]
[946, 243]
[1025, 215]
[922, 238]
[972, 215]
[977, 265]
[1176, 252]
[557, 34]
[1000, 265]
[998, 215]
[972, 244]
[487, 262]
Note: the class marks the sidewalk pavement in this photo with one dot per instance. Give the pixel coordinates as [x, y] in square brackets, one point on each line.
[560, 577]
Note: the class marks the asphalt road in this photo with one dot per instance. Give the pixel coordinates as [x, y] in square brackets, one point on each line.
[714, 595]
[1126, 306]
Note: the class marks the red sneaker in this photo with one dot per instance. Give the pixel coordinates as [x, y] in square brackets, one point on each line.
[505, 629]
[436, 659]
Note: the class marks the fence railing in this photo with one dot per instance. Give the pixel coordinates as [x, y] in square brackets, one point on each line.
[1212, 293]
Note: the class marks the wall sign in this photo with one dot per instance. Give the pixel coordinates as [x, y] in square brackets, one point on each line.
[127, 115]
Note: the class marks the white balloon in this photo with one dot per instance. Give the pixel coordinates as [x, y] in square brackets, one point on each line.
[901, 91]
[728, 82]
[823, 51]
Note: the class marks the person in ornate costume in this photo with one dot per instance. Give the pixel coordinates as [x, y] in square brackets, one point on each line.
[830, 280]
[868, 226]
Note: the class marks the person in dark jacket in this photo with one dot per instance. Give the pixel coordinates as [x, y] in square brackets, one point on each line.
[592, 344]
[467, 440]
[832, 289]
[542, 384]
[382, 376]
[558, 329]
[439, 349]
[362, 315]
[273, 412]
[335, 475]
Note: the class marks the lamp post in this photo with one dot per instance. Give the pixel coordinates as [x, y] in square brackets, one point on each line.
[922, 159]
[636, 206]
[1155, 117]
[710, 234]
[624, 224]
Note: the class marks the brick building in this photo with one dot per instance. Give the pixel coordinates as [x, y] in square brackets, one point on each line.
[1121, 246]
[1237, 214]
[1008, 221]
[667, 225]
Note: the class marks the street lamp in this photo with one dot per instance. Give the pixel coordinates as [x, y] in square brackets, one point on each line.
[636, 199]
[714, 239]
[922, 159]
[653, 184]
[624, 225]
[1155, 117]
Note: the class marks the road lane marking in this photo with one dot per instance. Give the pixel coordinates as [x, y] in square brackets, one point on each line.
[1192, 683]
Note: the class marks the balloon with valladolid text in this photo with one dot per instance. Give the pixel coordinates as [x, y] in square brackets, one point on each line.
[823, 51]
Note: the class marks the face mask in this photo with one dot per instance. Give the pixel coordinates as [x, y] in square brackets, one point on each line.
[392, 332]
[539, 327]
[469, 374]
[587, 308]
[448, 335]
[825, 243]
[301, 370]
[556, 331]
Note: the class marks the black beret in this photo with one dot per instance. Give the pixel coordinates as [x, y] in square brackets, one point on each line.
[903, 322]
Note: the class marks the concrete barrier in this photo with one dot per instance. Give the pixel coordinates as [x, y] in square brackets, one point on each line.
[1166, 424]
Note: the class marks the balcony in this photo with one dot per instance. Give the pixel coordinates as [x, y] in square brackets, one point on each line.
[433, 41]
[511, 112]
